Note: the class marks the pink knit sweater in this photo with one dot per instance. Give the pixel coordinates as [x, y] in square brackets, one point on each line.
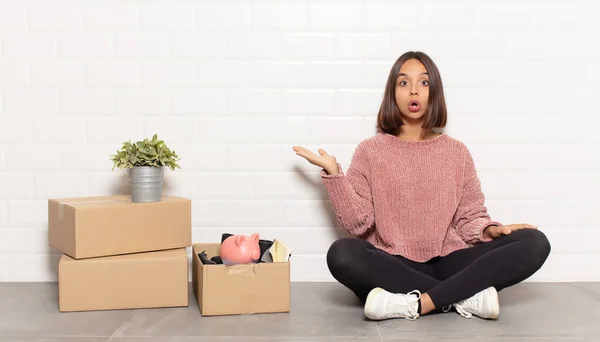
[417, 199]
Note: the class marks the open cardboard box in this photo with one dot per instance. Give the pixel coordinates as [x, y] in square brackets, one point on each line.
[239, 289]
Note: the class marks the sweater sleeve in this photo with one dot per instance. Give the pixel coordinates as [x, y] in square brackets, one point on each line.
[350, 194]
[471, 217]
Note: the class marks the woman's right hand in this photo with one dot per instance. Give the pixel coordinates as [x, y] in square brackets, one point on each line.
[326, 161]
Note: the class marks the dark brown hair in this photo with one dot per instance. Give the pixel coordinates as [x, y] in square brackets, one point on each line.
[389, 118]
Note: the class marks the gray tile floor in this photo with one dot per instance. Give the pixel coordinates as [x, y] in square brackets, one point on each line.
[320, 312]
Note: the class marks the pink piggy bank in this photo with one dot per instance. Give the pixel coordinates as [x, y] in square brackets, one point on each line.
[240, 249]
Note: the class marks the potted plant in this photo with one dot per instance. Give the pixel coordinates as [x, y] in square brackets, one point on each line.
[145, 161]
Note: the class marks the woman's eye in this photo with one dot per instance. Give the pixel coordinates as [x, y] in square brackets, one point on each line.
[425, 82]
[402, 83]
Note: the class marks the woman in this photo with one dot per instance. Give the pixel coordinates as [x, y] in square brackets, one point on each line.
[412, 198]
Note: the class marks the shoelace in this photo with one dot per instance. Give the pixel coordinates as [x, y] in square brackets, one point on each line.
[408, 305]
[460, 307]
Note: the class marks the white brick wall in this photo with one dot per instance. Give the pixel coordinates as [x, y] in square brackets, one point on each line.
[232, 85]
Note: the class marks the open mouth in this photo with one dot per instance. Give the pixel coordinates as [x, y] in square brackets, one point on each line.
[414, 106]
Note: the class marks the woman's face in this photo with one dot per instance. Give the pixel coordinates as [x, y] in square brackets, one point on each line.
[412, 89]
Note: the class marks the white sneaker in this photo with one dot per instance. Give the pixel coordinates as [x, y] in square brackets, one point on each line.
[484, 304]
[382, 304]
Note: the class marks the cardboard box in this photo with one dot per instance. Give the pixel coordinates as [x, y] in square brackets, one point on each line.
[142, 280]
[111, 225]
[239, 289]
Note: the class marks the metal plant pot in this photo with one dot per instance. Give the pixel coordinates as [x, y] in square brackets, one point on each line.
[146, 183]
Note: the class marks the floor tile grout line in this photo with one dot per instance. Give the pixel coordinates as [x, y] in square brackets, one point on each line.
[268, 337]
[120, 326]
[34, 336]
[378, 332]
[586, 291]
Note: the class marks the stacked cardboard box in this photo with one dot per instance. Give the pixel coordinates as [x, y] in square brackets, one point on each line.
[118, 254]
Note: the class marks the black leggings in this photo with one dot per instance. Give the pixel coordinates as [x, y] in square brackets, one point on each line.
[500, 263]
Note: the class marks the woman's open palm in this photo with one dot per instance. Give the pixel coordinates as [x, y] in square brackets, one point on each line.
[323, 160]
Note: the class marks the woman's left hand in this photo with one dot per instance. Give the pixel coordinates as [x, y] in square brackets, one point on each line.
[497, 231]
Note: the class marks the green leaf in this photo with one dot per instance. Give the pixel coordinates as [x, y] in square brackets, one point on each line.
[146, 152]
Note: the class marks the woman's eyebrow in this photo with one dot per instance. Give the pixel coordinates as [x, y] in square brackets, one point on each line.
[403, 74]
